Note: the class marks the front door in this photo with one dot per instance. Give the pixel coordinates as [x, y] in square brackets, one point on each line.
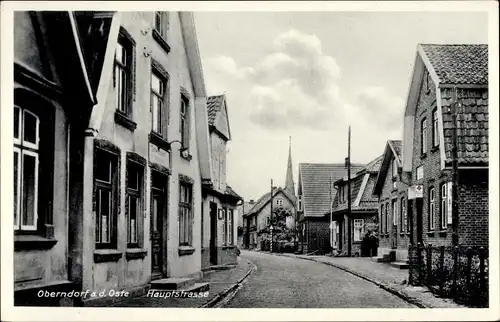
[419, 205]
[213, 233]
[158, 218]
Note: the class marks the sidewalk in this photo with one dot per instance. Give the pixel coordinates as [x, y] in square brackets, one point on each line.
[220, 281]
[391, 279]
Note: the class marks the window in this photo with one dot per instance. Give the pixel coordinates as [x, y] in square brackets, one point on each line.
[386, 224]
[299, 198]
[158, 87]
[184, 121]
[224, 226]
[134, 203]
[443, 211]
[394, 168]
[358, 229]
[382, 219]
[185, 214]
[268, 221]
[26, 169]
[394, 212]
[122, 80]
[105, 177]
[427, 82]
[420, 172]
[404, 220]
[435, 133]
[161, 23]
[432, 209]
[230, 228]
[424, 136]
[279, 202]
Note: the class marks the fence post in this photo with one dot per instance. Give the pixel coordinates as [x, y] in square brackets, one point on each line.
[482, 277]
[469, 266]
[441, 270]
[455, 271]
[429, 264]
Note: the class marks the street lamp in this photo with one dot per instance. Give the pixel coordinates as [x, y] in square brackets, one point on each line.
[182, 149]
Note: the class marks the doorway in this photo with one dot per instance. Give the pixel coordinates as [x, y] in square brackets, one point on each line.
[419, 205]
[158, 218]
[213, 233]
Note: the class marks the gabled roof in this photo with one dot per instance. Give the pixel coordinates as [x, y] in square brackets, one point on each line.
[392, 149]
[266, 198]
[361, 187]
[315, 184]
[218, 118]
[232, 193]
[464, 67]
[459, 64]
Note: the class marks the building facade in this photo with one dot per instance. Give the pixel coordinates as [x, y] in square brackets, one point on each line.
[391, 189]
[52, 96]
[363, 215]
[220, 202]
[447, 80]
[314, 200]
[126, 158]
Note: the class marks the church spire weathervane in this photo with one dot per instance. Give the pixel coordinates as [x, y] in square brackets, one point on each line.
[289, 170]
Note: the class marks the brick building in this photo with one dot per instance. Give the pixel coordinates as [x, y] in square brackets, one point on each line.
[314, 199]
[443, 75]
[364, 209]
[219, 199]
[391, 189]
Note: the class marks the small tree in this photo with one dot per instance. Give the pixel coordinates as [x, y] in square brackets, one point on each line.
[281, 232]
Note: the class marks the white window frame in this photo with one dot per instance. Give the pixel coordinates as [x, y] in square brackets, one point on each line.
[394, 205]
[230, 227]
[424, 136]
[358, 224]
[435, 128]
[158, 114]
[27, 143]
[432, 208]
[35, 210]
[444, 206]
[299, 202]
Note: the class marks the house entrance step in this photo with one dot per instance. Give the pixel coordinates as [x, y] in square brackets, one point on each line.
[172, 283]
[400, 265]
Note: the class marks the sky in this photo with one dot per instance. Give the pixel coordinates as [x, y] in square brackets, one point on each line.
[309, 75]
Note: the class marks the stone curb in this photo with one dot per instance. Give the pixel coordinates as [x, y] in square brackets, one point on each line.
[382, 285]
[227, 292]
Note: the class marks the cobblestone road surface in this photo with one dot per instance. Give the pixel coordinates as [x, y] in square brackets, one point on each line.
[296, 283]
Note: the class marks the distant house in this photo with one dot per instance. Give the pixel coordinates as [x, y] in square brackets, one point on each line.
[219, 200]
[439, 71]
[243, 229]
[314, 199]
[364, 209]
[391, 189]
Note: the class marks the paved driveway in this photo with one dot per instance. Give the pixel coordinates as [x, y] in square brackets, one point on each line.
[296, 283]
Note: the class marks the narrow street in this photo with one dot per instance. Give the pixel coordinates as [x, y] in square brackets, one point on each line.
[296, 283]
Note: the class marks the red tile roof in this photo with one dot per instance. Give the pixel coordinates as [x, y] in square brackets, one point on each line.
[315, 181]
[459, 64]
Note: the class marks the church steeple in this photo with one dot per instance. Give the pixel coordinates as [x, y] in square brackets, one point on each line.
[289, 172]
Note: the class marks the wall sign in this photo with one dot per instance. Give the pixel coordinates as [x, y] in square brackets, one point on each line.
[416, 191]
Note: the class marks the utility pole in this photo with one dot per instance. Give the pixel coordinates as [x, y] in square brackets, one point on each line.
[349, 192]
[454, 169]
[271, 220]
[331, 210]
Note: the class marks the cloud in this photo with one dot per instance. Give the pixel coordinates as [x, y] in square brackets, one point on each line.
[380, 107]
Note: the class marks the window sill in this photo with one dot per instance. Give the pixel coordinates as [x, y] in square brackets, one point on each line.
[186, 155]
[423, 155]
[135, 253]
[125, 121]
[161, 41]
[435, 148]
[186, 250]
[443, 232]
[159, 141]
[402, 234]
[107, 255]
[30, 242]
